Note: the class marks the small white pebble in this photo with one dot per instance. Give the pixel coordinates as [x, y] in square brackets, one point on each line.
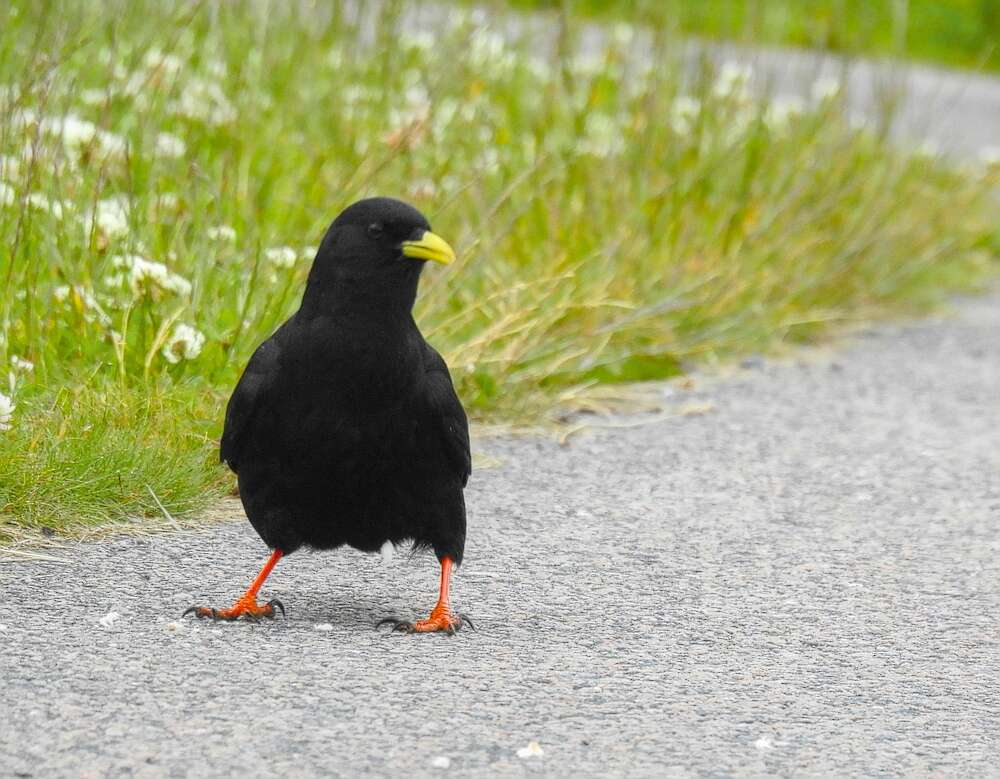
[533, 749]
[441, 761]
[109, 619]
[387, 549]
[2, 628]
[323, 626]
[175, 626]
[764, 743]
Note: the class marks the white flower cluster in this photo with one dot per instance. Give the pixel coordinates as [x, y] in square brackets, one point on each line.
[7, 409]
[281, 256]
[185, 343]
[78, 134]
[110, 216]
[148, 277]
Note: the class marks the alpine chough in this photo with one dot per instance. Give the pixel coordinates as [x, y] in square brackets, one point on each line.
[345, 427]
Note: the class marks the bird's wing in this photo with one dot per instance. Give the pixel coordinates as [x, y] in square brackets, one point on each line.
[255, 384]
[448, 413]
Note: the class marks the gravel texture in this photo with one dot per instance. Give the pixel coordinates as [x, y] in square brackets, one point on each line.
[803, 579]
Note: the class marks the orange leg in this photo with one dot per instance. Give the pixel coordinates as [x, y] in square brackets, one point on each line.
[442, 618]
[246, 605]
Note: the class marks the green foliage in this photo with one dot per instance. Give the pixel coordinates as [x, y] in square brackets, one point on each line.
[961, 33]
[167, 172]
[94, 453]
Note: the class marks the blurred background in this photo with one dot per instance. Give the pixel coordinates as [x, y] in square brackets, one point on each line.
[633, 188]
[962, 33]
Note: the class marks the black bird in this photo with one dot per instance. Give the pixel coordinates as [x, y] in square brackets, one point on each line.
[345, 427]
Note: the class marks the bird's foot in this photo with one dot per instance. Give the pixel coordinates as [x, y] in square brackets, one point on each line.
[441, 620]
[246, 607]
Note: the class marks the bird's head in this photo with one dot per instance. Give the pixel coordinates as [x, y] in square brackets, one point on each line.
[375, 250]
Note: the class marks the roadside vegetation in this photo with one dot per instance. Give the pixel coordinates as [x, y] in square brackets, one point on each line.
[166, 172]
[957, 33]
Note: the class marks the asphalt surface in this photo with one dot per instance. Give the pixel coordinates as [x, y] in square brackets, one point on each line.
[802, 579]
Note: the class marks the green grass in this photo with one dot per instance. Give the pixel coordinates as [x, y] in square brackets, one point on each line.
[613, 223]
[962, 33]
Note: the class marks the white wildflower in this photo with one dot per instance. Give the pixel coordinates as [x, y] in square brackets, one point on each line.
[169, 145]
[73, 130]
[221, 233]
[110, 216]
[534, 749]
[488, 161]
[281, 256]
[143, 275]
[76, 133]
[587, 64]
[335, 58]
[602, 137]
[217, 69]
[110, 143]
[7, 408]
[20, 365]
[782, 110]
[623, 33]
[109, 619]
[9, 167]
[168, 201]
[94, 97]
[169, 64]
[826, 88]
[486, 46]
[205, 101]
[357, 93]
[540, 69]
[185, 343]
[684, 112]
[732, 80]
[443, 115]
[308, 252]
[423, 188]
[22, 118]
[39, 201]
[7, 195]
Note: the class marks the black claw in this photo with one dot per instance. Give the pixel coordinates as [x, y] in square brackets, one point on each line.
[190, 610]
[466, 621]
[274, 603]
[398, 625]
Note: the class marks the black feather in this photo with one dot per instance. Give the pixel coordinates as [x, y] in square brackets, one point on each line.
[345, 427]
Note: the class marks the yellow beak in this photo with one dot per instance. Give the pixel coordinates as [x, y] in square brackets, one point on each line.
[430, 247]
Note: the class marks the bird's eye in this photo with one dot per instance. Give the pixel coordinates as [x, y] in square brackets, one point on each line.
[374, 230]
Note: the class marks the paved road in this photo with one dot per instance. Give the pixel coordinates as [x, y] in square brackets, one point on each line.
[803, 580]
